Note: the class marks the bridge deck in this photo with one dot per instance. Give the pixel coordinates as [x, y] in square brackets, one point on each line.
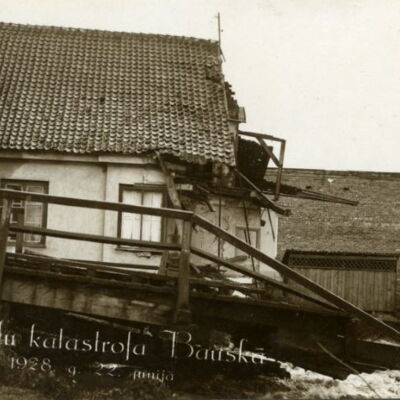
[283, 330]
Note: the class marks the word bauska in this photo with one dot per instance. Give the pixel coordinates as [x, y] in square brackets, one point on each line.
[182, 347]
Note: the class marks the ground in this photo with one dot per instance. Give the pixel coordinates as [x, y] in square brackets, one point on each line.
[12, 393]
[303, 384]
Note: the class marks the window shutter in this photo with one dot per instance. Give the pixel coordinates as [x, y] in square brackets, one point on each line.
[152, 224]
[33, 213]
[130, 223]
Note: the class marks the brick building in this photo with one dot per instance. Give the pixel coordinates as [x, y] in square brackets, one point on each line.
[371, 226]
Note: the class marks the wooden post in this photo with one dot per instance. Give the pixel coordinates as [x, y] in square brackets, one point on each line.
[4, 225]
[182, 310]
[19, 242]
[280, 167]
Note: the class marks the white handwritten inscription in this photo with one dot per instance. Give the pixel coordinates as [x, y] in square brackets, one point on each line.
[7, 338]
[179, 345]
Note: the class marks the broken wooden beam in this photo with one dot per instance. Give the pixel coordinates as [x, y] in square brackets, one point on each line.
[269, 152]
[268, 203]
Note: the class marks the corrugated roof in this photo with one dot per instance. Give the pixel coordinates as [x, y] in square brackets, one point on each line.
[88, 91]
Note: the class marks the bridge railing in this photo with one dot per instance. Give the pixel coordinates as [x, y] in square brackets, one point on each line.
[189, 219]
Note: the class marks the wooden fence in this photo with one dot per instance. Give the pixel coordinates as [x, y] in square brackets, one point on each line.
[366, 280]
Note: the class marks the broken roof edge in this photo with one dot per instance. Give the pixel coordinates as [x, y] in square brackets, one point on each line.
[54, 28]
[181, 157]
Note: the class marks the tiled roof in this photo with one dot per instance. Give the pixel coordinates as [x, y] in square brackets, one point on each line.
[88, 91]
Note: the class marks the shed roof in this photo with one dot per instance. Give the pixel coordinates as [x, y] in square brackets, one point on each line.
[88, 91]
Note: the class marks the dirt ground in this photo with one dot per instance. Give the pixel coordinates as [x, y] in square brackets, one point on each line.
[302, 385]
[13, 393]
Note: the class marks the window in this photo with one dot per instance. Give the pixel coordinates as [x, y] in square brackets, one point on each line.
[141, 226]
[34, 213]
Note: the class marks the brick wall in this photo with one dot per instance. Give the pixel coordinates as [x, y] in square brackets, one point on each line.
[372, 226]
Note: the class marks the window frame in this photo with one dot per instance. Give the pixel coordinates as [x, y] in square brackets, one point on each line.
[142, 187]
[257, 230]
[24, 183]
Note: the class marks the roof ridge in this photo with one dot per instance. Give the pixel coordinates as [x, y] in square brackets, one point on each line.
[106, 32]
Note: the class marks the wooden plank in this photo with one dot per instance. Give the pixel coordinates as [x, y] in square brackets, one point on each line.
[4, 228]
[182, 311]
[346, 285]
[356, 285]
[387, 290]
[376, 295]
[28, 253]
[328, 284]
[386, 287]
[47, 263]
[356, 288]
[391, 306]
[226, 285]
[365, 281]
[93, 238]
[283, 269]
[72, 279]
[83, 299]
[334, 281]
[260, 135]
[102, 205]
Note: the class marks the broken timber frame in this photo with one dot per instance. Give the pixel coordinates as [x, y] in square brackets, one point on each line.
[261, 137]
[268, 203]
[191, 218]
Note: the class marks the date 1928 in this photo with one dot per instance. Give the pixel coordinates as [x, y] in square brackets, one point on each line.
[33, 363]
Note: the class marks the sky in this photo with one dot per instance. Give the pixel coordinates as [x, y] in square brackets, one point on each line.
[322, 74]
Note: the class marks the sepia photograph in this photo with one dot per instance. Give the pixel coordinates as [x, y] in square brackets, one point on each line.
[199, 199]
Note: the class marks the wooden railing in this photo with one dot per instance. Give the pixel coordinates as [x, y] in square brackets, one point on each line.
[190, 219]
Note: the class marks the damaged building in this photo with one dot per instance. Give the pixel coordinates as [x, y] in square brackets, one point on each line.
[136, 118]
[126, 178]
